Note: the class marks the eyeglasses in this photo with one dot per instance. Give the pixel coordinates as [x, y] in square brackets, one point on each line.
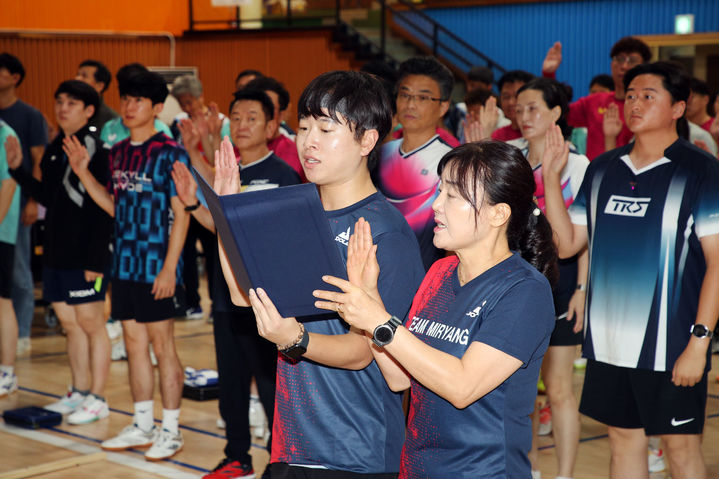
[629, 60]
[420, 98]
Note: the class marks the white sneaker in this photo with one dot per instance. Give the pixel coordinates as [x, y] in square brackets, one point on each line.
[24, 347]
[91, 410]
[221, 424]
[131, 436]
[118, 352]
[8, 384]
[256, 412]
[114, 329]
[656, 460]
[68, 404]
[165, 446]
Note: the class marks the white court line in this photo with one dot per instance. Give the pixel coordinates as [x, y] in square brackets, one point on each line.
[81, 448]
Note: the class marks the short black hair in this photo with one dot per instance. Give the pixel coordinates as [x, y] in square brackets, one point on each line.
[12, 64]
[359, 97]
[145, 84]
[248, 72]
[268, 83]
[631, 45]
[478, 96]
[481, 74]
[102, 74]
[126, 70]
[253, 94]
[675, 79]
[514, 76]
[604, 80]
[699, 87]
[80, 91]
[386, 73]
[429, 67]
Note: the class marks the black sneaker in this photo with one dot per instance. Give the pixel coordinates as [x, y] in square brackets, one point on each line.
[229, 468]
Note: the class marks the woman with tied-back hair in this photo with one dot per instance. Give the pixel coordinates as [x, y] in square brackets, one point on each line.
[473, 342]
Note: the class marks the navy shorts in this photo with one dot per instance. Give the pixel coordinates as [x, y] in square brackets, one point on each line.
[640, 398]
[7, 258]
[563, 333]
[69, 286]
[131, 300]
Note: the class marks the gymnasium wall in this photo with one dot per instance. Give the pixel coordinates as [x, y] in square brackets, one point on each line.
[518, 35]
[293, 57]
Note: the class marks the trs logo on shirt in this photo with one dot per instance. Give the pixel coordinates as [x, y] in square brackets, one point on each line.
[627, 206]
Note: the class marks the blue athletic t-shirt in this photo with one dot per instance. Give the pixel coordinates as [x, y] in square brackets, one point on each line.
[508, 307]
[646, 261]
[336, 418]
[141, 183]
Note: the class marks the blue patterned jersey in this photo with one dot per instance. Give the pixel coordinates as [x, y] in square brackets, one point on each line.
[142, 186]
[646, 261]
[341, 419]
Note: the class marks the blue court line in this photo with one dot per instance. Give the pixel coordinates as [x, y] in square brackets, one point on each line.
[135, 451]
[157, 421]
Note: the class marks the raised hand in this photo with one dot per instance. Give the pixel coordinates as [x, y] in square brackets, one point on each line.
[553, 59]
[13, 152]
[473, 130]
[201, 123]
[214, 120]
[714, 128]
[611, 122]
[190, 134]
[184, 183]
[227, 172]
[556, 152]
[362, 266]
[353, 304]
[77, 154]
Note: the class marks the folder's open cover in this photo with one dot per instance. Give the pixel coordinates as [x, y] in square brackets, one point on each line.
[278, 240]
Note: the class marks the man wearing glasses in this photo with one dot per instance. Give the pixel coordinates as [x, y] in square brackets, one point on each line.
[407, 170]
[602, 113]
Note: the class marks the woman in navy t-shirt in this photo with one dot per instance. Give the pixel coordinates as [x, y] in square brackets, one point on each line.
[473, 342]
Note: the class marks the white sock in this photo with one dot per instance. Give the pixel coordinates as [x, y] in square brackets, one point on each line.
[171, 420]
[536, 474]
[144, 415]
[7, 369]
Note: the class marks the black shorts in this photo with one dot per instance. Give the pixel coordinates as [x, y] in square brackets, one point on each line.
[281, 470]
[7, 258]
[69, 286]
[639, 398]
[131, 300]
[563, 334]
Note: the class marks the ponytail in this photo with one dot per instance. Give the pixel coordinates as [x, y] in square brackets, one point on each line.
[532, 236]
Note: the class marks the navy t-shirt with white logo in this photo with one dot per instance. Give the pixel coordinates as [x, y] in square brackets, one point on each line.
[508, 307]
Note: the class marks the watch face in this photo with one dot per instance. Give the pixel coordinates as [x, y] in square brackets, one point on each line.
[383, 334]
[700, 330]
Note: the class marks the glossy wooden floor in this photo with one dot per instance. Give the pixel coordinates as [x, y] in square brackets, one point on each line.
[44, 375]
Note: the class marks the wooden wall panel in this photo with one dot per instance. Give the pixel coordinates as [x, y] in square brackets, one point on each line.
[294, 58]
[48, 60]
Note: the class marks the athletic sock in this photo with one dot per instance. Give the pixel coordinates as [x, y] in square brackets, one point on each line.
[97, 396]
[171, 420]
[7, 369]
[84, 392]
[143, 415]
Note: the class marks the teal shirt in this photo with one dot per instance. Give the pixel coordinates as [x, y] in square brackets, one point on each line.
[9, 224]
[115, 131]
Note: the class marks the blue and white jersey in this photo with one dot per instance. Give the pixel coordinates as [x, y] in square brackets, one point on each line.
[646, 261]
[341, 419]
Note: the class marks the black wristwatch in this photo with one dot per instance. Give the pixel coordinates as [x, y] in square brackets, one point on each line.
[193, 207]
[701, 331]
[384, 333]
[297, 350]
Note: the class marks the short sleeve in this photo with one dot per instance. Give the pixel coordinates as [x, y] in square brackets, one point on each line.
[5, 132]
[520, 321]
[578, 209]
[706, 207]
[401, 271]
[577, 113]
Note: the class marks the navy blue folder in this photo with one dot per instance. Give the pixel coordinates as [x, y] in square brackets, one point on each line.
[278, 240]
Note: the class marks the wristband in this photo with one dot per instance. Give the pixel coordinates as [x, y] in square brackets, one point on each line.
[193, 207]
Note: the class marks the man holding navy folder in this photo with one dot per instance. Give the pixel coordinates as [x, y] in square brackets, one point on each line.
[335, 415]
[241, 353]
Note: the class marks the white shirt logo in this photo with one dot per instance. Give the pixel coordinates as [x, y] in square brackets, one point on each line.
[112, 137]
[344, 237]
[627, 206]
[475, 312]
[676, 423]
